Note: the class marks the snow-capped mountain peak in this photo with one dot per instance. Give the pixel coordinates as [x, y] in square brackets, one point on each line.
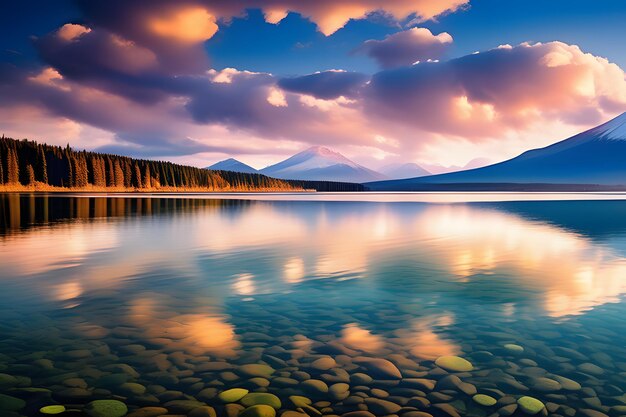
[614, 129]
[323, 164]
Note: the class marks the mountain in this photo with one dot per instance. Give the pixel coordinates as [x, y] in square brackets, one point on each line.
[231, 164]
[594, 157]
[321, 164]
[408, 170]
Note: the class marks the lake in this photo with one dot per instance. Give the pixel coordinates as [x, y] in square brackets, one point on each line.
[405, 304]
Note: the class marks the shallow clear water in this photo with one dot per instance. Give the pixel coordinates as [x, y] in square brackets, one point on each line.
[179, 294]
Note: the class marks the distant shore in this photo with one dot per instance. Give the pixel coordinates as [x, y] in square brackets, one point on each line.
[43, 188]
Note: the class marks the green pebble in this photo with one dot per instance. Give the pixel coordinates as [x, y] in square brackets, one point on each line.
[252, 370]
[485, 400]
[454, 364]
[260, 410]
[52, 409]
[513, 348]
[232, 395]
[9, 403]
[106, 408]
[568, 384]
[261, 398]
[300, 401]
[7, 380]
[530, 405]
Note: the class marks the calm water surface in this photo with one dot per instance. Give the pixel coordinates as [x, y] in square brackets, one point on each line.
[167, 302]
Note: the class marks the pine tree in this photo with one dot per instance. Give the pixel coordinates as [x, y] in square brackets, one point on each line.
[1, 169]
[13, 167]
[119, 174]
[42, 165]
[137, 176]
[146, 179]
[30, 175]
[128, 174]
[110, 173]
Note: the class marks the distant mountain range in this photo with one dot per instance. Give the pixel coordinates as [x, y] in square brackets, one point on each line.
[319, 163]
[594, 157]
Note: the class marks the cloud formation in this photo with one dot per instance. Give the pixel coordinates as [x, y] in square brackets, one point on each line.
[407, 47]
[485, 94]
[197, 20]
[326, 85]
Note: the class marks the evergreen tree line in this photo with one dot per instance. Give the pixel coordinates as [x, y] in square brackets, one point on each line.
[25, 162]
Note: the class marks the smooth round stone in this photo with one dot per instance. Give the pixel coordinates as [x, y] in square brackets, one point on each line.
[183, 406]
[7, 380]
[291, 413]
[204, 411]
[484, 400]
[75, 383]
[259, 410]
[315, 385]
[339, 388]
[148, 412]
[259, 382]
[133, 388]
[261, 398]
[232, 395]
[324, 364]
[530, 405]
[360, 413]
[106, 408]
[256, 370]
[282, 381]
[454, 364]
[52, 409]
[448, 409]
[232, 409]
[9, 403]
[420, 383]
[545, 384]
[361, 379]
[592, 413]
[590, 368]
[381, 407]
[300, 401]
[416, 414]
[379, 368]
[513, 348]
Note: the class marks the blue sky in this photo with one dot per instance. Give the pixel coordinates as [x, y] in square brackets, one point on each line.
[54, 53]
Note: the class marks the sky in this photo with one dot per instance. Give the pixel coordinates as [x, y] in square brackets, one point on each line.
[435, 82]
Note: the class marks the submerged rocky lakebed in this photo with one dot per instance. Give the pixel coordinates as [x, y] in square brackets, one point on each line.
[204, 307]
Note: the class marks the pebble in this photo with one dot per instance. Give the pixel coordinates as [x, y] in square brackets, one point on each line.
[257, 398]
[260, 410]
[232, 395]
[256, 370]
[106, 408]
[379, 368]
[324, 364]
[454, 364]
[53, 409]
[148, 412]
[381, 407]
[530, 405]
[484, 400]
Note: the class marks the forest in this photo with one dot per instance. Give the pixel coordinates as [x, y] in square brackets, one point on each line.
[28, 165]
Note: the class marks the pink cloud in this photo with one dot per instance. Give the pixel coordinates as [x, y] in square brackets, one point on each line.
[407, 47]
